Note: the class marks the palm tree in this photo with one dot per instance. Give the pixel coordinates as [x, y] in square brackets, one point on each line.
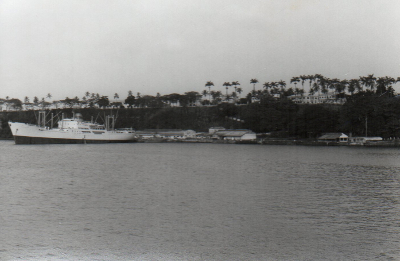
[282, 84]
[368, 81]
[116, 96]
[208, 85]
[358, 85]
[354, 85]
[227, 85]
[36, 100]
[384, 83]
[295, 80]
[254, 81]
[324, 84]
[319, 84]
[333, 84]
[303, 79]
[48, 96]
[274, 87]
[343, 85]
[266, 85]
[216, 95]
[239, 90]
[310, 78]
[26, 99]
[235, 84]
[315, 88]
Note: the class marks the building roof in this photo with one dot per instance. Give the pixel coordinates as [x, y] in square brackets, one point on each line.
[369, 138]
[165, 132]
[161, 130]
[171, 133]
[332, 136]
[233, 133]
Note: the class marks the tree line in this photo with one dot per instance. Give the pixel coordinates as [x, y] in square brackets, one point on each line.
[317, 84]
[277, 89]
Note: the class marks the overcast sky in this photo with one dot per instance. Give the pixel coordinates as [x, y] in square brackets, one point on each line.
[68, 47]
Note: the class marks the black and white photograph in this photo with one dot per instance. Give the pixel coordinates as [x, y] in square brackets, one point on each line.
[199, 130]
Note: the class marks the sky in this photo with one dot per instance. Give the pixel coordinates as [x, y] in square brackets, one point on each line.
[69, 47]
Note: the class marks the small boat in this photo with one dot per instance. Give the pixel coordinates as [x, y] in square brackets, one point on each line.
[70, 131]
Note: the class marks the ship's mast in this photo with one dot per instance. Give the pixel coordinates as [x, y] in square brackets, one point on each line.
[62, 121]
[107, 123]
[42, 119]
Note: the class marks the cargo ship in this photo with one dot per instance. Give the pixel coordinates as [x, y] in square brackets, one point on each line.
[70, 131]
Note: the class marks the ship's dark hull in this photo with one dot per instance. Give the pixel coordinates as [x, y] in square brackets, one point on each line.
[41, 140]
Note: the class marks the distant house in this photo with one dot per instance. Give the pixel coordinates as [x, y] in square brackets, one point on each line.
[334, 137]
[364, 140]
[238, 135]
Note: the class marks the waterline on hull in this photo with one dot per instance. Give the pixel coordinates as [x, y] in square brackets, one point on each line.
[19, 140]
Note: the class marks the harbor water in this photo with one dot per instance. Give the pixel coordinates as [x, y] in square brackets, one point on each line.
[176, 201]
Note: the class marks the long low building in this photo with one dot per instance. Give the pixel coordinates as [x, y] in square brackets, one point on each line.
[166, 134]
[364, 140]
[334, 137]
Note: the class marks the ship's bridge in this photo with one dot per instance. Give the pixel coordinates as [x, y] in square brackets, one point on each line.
[68, 124]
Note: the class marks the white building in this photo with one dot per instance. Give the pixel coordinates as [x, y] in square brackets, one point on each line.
[329, 97]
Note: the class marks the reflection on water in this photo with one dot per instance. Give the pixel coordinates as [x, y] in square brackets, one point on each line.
[199, 202]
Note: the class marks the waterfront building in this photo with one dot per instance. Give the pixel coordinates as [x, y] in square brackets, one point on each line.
[236, 135]
[334, 137]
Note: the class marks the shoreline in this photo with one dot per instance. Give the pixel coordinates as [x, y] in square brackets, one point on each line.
[315, 143]
[393, 143]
